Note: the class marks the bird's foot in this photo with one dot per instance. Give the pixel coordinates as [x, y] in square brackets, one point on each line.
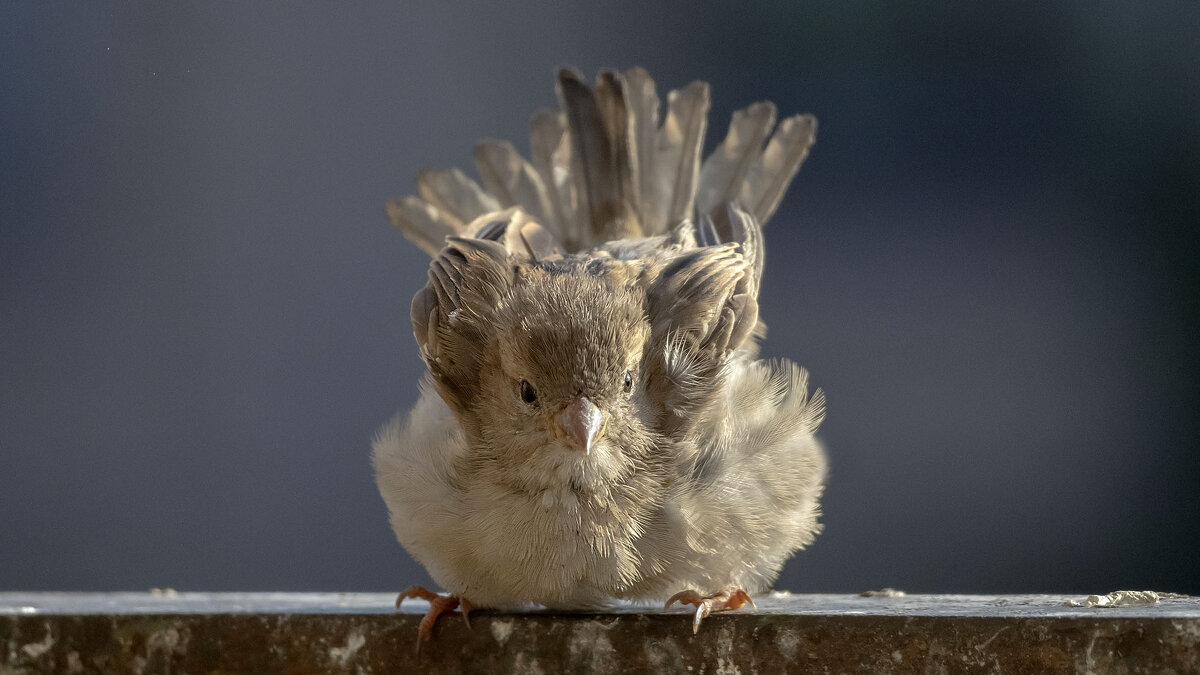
[728, 599]
[438, 605]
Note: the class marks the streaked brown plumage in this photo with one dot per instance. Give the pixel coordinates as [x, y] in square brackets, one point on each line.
[595, 423]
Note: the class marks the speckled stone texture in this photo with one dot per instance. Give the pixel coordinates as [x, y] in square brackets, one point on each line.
[363, 633]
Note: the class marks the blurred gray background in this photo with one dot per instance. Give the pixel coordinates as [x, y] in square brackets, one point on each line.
[988, 263]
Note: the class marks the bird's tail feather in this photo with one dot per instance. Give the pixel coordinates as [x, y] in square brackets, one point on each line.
[605, 168]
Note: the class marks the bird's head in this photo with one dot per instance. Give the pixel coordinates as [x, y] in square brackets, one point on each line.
[560, 391]
[576, 368]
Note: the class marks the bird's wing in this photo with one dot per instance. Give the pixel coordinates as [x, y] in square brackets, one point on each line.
[729, 223]
[700, 311]
[703, 306]
[451, 314]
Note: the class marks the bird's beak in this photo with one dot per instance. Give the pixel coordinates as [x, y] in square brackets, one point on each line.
[580, 424]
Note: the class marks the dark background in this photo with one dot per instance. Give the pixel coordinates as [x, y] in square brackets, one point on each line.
[988, 263]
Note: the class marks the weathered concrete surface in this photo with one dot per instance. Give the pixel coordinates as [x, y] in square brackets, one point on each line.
[362, 633]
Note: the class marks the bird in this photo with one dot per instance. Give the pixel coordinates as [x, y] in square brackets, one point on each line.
[595, 425]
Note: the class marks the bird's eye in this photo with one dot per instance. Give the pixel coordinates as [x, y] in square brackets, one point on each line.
[527, 393]
[628, 382]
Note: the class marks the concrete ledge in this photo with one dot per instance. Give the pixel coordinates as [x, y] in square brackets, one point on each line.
[362, 633]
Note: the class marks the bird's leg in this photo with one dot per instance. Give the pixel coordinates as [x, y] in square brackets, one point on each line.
[438, 605]
[465, 608]
[723, 601]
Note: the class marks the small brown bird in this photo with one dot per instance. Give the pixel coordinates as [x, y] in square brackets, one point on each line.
[595, 423]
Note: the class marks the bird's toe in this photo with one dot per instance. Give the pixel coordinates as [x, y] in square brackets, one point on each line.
[722, 601]
[438, 605]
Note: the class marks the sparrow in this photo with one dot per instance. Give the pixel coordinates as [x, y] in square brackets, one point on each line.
[595, 424]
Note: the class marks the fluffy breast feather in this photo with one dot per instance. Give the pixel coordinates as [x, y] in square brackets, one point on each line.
[501, 546]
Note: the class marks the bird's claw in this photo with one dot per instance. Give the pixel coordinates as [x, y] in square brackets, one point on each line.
[728, 599]
[438, 605]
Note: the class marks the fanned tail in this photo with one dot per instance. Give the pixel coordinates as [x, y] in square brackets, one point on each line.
[603, 155]
[606, 168]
